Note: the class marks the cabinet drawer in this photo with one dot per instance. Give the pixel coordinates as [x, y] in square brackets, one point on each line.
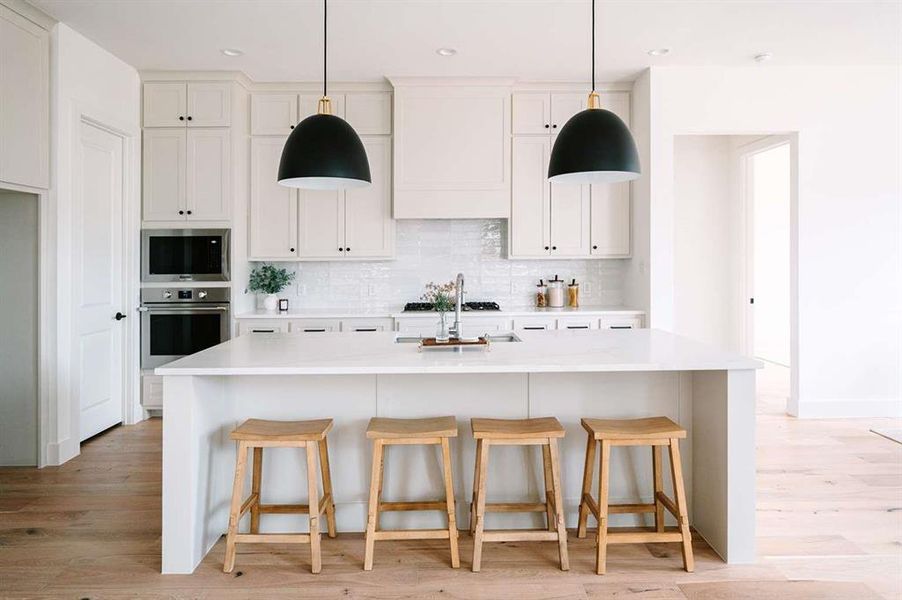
[534, 323]
[621, 322]
[249, 326]
[481, 325]
[315, 325]
[577, 323]
[367, 325]
[152, 391]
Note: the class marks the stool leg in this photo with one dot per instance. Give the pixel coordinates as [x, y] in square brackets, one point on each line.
[482, 461]
[587, 487]
[235, 510]
[604, 467]
[256, 476]
[313, 495]
[327, 485]
[676, 469]
[559, 504]
[549, 490]
[659, 487]
[449, 501]
[373, 509]
[475, 488]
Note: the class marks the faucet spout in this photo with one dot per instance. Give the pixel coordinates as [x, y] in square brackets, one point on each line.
[459, 294]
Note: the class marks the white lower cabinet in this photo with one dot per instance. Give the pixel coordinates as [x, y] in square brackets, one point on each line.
[621, 322]
[315, 326]
[367, 325]
[534, 323]
[151, 391]
[249, 326]
[577, 323]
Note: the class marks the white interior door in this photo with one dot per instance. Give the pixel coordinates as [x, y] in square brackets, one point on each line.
[97, 360]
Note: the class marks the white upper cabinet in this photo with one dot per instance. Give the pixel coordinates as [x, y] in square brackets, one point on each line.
[164, 174]
[452, 149]
[208, 154]
[321, 223]
[611, 214]
[369, 113]
[273, 208]
[530, 222]
[537, 113]
[564, 106]
[193, 104]
[570, 226]
[273, 114]
[24, 101]
[369, 228]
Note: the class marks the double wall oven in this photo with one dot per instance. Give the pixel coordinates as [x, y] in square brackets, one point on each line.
[181, 312]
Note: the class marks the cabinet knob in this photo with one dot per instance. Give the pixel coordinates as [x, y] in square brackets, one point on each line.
[191, 118]
[181, 118]
[546, 125]
[291, 127]
[340, 249]
[554, 247]
[347, 249]
[181, 212]
[291, 249]
[189, 212]
[546, 247]
[594, 247]
[553, 126]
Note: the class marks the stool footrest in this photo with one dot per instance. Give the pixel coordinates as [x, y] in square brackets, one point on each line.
[285, 509]
[412, 534]
[633, 536]
[520, 535]
[401, 506]
[515, 507]
[616, 509]
[272, 538]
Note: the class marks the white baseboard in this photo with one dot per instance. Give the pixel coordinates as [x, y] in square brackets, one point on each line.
[58, 453]
[850, 408]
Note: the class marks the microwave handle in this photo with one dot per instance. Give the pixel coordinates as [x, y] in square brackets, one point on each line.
[183, 307]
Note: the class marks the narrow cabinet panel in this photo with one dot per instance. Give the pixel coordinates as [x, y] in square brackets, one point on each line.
[273, 207]
[570, 220]
[164, 185]
[165, 104]
[369, 113]
[611, 220]
[530, 221]
[531, 113]
[273, 114]
[209, 104]
[564, 106]
[321, 223]
[369, 228]
[208, 174]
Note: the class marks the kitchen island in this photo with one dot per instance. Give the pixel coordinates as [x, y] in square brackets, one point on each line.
[351, 378]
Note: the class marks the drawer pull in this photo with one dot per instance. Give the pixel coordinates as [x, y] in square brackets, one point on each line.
[365, 329]
[621, 326]
[315, 330]
[263, 330]
[535, 327]
[577, 326]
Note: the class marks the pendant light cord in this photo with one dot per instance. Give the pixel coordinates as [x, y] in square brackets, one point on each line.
[325, 38]
[593, 45]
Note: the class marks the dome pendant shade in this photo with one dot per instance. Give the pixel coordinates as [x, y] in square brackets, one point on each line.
[594, 146]
[324, 153]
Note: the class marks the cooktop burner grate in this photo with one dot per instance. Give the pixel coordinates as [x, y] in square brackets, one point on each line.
[467, 306]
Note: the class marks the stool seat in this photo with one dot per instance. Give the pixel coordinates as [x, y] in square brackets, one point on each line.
[651, 428]
[436, 427]
[512, 429]
[262, 430]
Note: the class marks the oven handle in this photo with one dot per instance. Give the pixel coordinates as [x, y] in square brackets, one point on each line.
[181, 308]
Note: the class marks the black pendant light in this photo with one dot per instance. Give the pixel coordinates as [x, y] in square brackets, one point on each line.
[595, 145]
[324, 152]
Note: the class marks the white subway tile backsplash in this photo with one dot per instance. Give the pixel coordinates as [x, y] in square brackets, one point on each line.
[436, 250]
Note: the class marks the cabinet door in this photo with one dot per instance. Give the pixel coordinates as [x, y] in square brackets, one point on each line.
[165, 104]
[164, 174]
[273, 114]
[307, 104]
[530, 222]
[24, 101]
[620, 322]
[611, 220]
[369, 113]
[369, 228]
[534, 323]
[209, 167]
[209, 104]
[570, 220]
[321, 223]
[577, 323]
[273, 207]
[531, 113]
[249, 326]
[564, 106]
[315, 326]
[368, 325]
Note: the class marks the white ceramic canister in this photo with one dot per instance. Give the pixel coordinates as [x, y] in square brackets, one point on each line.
[556, 293]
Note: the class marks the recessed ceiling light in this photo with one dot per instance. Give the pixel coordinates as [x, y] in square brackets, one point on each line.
[446, 51]
[763, 57]
[659, 52]
[232, 51]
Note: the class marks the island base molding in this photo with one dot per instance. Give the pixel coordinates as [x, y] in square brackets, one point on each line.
[716, 407]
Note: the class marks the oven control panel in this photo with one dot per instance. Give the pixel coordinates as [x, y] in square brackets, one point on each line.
[186, 295]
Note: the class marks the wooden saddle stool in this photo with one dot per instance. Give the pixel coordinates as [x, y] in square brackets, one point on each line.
[395, 432]
[543, 432]
[259, 434]
[656, 432]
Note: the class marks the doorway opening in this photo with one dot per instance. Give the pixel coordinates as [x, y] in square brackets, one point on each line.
[19, 277]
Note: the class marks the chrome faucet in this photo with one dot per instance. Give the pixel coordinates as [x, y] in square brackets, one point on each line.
[459, 293]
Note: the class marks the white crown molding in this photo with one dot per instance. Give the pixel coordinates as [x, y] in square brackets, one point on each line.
[404, 81]
[31, 12]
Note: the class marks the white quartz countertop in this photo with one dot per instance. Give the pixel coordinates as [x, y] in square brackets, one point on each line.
[378, 353]
[331, 313]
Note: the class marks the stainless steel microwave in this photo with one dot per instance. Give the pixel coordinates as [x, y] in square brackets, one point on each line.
[185, 255]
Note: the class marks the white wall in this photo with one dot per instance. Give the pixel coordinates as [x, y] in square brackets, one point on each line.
[636, 290]
[849, 350]
[86, 81]
[19, 324]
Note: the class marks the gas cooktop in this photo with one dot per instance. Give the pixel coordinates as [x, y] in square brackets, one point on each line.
[467, 306]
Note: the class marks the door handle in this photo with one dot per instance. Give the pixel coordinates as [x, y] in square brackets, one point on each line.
[119, 316]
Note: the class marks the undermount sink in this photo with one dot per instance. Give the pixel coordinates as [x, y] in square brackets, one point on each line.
[501, 337]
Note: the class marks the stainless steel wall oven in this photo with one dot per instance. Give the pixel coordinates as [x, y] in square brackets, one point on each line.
[181, 321]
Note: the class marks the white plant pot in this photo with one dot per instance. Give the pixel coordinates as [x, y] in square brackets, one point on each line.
[271, 302]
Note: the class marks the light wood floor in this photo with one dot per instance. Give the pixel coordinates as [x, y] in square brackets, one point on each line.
[829, 509]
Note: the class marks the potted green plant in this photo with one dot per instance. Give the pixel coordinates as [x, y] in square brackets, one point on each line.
[441, 296]
[270, 280]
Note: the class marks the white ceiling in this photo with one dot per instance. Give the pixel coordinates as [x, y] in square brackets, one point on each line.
[529, 39]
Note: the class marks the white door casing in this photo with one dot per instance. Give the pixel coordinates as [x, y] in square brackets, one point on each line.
[98, 273]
